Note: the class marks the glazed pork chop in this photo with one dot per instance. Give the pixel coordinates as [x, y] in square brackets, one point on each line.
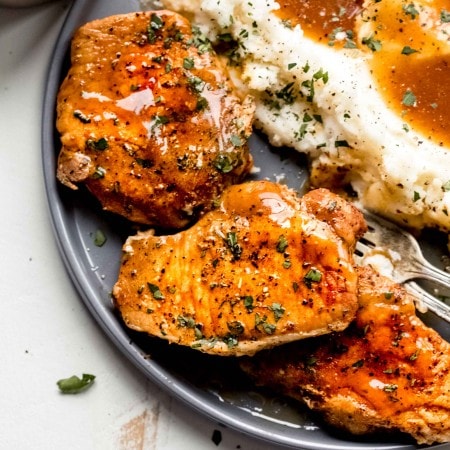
[258, 271]
[148, 120]
[386, 371]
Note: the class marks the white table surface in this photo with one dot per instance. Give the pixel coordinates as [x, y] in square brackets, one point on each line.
[46, 331]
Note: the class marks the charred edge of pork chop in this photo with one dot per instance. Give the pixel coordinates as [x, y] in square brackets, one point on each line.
[149, 121]
[386, 372]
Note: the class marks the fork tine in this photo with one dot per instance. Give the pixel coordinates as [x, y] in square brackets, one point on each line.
[430, 302]
[381, 229]
[360, 249]
[412, 263]
[383, 234]
[425, 300]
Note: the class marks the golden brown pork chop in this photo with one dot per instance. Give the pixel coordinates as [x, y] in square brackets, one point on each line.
[258, 271]
[387, 371]
[148, 120]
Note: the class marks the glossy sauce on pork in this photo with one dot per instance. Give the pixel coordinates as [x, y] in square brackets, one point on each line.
[386, 372]
[258, 271]
[149, 122]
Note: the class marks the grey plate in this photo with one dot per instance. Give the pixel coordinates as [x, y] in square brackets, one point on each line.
[213, 386]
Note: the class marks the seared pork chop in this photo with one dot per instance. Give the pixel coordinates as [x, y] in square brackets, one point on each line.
[148, 120]
[258, 271]
[386, 371]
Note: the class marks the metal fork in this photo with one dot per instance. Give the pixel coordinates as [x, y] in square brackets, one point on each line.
[427, 302]
[404, 253]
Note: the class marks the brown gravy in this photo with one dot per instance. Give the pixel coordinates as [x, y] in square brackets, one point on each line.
[320, 19]
[415, 84]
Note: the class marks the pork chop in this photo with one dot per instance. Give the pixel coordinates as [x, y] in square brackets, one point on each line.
[386, 372]
[258, 271]
[149, 121]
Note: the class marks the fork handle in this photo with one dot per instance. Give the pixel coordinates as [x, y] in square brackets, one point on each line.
[430, 272]
[432, 303]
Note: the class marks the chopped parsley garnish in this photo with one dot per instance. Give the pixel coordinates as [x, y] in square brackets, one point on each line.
[223, 163]
[321, 75]
[159, 120]
[310, 84]
[225, 37]
[307, 117]
[318, 118]
[300, 134]
[74, 384]
[231, 341]
[196, 83]
[232, 243]
[340, 34]
[282, 244]
[101, 144]
[156, 292]
[261, 324]
[202, 103]
[200, 41]
[409, 99]
[407, 50]
[236, 328]
[372, 43]
[313, 275]
[186, 322]
[416, 196]
[278, 311]
[243, 33]
[236, 140]
[189, 322]
[445, 16]
[341, 143]
[99, 238]
[145, 163]
[99, 172]
[156, 23]
[350, 43]
[446, 186]
[248, 302]
[287, 93]
[410, 10]
[390, 388]
[188, 63]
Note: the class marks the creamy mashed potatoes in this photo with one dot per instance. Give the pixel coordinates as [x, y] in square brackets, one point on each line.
[331, 97]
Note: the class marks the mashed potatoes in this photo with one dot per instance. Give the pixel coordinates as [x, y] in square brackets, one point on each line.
[322, 99]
